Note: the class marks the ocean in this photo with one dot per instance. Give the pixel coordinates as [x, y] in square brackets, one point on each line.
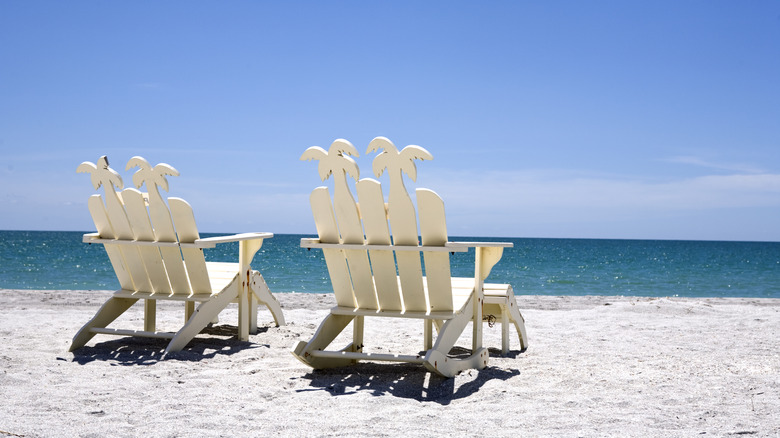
[653, 268]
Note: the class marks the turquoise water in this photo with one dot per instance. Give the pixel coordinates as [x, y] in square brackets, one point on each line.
[59, 260]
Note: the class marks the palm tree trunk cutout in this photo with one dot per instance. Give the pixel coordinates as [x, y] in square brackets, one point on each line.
[159, 214]
[340, 222]
[401, 212]
[154, 178]
[103, 175]
[335, 162]
[402, 216]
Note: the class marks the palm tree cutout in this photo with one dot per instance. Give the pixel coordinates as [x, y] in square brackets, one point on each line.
[401, 213]
[336, 162]
[154, 178]
[396, 161]
[103, 175]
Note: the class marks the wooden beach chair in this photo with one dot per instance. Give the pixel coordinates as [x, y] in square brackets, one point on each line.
[157, 254]
[374, 275]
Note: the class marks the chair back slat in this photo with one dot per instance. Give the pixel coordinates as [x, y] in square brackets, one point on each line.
[121, 230]
[138, 216]
[403, 225]
[325, 221]
[433, 230]
[103, 226]
[164, 232]
[362, 279]
[388, 279]
[374, 215]
[195, 263]
[351, 230]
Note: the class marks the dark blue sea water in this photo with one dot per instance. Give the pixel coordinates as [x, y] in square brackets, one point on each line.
[59, 260]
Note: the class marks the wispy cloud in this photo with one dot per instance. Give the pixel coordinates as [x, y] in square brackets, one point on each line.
[577, 205]
[699, 162]
[535, 189]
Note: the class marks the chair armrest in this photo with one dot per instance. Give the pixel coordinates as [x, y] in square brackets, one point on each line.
[211, 242]
[315, 243]
[486, 255]
[95, 238]
[481, 244]
[90, 237]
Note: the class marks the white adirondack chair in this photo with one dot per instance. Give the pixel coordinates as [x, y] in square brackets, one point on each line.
[376, 276]
[157, 254]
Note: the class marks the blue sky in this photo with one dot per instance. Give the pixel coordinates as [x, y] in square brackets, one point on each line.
[649, 120]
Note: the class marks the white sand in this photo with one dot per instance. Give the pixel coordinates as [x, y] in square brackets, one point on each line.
[596, 366]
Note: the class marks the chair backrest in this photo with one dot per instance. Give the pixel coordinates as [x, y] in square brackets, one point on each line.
[140, 218]
[389, 279]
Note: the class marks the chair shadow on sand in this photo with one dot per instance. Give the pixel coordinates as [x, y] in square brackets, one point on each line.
[219, 340]
[405, 380]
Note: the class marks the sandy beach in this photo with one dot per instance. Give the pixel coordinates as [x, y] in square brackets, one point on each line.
[596, 366]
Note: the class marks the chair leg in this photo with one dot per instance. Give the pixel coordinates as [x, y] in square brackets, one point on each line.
[331, 327]
[428, 334]
[110, 311]
[506, 305]
[264, 296]
[253, 313]
[519, 321]
[202, 316]
[437, 359]
[504, 331]
[357, 334]
[150, 315]
[189, 310]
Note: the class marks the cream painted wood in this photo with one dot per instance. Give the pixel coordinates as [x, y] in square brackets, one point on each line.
[135, 206]
[98, 212]
[351, 230]
[392, 313]
[110, 311]
[462, 287]
[436, 358]
[330, 327]
[479, 299]
[402, 216]
[308, 242]
[246, 300]
[325, 221]
[194, 262]
[433, 231]
[136, 259]
[500, 300]
[131, 256]
[204, 315]
[374, 214]
[336, 162]
[362, 280]
[162, 224]
[214, 284]
[263, 295]
[117, 227]
[488, 258]
[402, 292]
[122, 230]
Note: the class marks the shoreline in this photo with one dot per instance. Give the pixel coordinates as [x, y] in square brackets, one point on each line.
[540, 302]
[596, 366]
